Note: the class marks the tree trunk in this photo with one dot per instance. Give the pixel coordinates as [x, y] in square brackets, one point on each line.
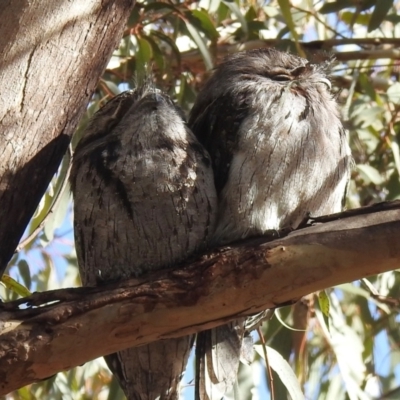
[52, 56]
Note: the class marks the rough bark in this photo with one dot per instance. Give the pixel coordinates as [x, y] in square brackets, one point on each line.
[73, 326]
[52, 55]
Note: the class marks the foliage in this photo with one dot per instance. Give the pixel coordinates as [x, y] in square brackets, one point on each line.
[353, 354]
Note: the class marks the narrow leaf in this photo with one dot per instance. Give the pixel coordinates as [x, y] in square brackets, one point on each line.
[143, 55]
[25, 273]
[206, 24]
[394, 93]
[396, 154]
[200, 44]
[15, 286]
[334, 6]
[381, 9]
[157, 6]
[285, 7]
[284, 371]
[236, 11]
[157, 53]
[169, 42]
[324, 305]
[370, 174]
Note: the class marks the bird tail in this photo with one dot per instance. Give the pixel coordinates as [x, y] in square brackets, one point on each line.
[218, 353]
[153, 371]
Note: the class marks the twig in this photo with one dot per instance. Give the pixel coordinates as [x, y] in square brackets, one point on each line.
[270, 379]
[56, 201]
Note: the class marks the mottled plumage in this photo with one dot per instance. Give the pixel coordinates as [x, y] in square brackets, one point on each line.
[279, 152]
[144, 199]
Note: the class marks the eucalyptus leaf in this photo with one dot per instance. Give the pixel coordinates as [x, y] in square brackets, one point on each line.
[25, 273]
[394, 93]
[381, 9]
[324, 304]
[369, 174]
[206, 24]
[15, 286]
[238, 14]
[200, 44]
[284, 371]
[165, 38]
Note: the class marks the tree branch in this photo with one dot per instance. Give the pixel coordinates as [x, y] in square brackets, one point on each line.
[374, 48]
[65, 328]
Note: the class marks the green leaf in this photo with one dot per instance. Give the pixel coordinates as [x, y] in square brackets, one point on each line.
[393, 18]
[381, 9]
[393, 187]
[364, 5]
[157, 53]
[285, 7]
[206, 24]
[115, 391]
[236, 11]
[369, 116]
[396, 154]
[251, 14]
[200, 44]
[186, 96]
[134, 17]
[370, 174]
[350, 17]
[271, 11]
[59, 202]
[169, 42]
[41, 210]
[25, 272]
[287, 15]
[347, 345]
[279, 318]
[15, 286]
[244, 389]
[256, 26]
[284, 31]
[157, 6]
[213, 6]
[284, 371]
[394, 93]
[324, 305]
[143, 56]
[57, 215]
[334, 6]
[367, 86]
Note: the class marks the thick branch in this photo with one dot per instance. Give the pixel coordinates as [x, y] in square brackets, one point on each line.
[83, 323]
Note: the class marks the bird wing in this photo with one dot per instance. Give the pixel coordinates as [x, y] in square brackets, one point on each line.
[215, 122]
[217, 360]
[145, 372]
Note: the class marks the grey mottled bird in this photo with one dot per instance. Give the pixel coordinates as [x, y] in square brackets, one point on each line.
[144, 199]
[279, 153]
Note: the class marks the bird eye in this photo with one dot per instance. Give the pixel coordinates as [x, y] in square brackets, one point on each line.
[282, 78]
[326, 82]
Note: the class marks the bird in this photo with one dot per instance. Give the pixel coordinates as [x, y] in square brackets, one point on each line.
[279, 152]
[144, 200]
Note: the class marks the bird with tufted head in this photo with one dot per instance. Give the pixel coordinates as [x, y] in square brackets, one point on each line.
[279, 151]
[144, 199]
